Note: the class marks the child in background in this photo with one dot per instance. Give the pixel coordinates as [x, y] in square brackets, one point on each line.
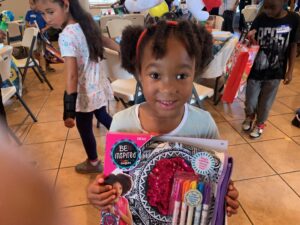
[122, 183]
[32, 18]
[275, 31]
[87, 87]
[165, 58]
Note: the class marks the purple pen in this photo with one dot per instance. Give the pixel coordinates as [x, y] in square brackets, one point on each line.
[205, 206]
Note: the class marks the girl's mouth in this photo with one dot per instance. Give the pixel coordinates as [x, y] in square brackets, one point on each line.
[167, 104]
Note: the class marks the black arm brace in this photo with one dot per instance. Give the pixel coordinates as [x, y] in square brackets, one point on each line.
[69, 105]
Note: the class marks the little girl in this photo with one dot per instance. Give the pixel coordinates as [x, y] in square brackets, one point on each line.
[87, 88]
[122, 183]
[165, 57]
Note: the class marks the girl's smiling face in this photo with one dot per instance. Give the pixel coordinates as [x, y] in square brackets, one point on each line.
[119, 189]
[53, 12]
[167, 82]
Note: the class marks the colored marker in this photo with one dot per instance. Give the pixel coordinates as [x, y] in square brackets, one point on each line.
[185, 188]
[177, 203]
[193, 185]
[200, 188]
[205, 206]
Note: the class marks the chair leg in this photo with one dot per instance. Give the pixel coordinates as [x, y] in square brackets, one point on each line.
[123, 103]
[14, 136]
[26, 107]
[37, 74]
[198, 101]
[44, 76]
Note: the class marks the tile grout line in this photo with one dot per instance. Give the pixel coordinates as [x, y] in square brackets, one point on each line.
[289, 186]
[246, 213]
[284, 133]
[61, 158]
[36, 118]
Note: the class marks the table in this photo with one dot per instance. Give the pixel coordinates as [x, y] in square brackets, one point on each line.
[217, 67]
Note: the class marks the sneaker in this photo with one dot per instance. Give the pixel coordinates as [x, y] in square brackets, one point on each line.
[257, 131]
[296, 120]
[86, 167]
[248, 123]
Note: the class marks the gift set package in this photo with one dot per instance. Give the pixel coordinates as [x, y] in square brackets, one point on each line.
[166, 180]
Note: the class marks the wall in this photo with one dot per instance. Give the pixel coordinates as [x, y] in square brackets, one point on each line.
[18, 7]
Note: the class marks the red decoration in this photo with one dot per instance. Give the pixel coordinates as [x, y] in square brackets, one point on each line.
[160, 181]
[209, 4]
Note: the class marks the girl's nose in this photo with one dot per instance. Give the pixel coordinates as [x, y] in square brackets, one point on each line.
[168, 86]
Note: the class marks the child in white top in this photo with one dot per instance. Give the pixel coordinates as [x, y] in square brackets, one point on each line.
[165, 58]
[87, 88]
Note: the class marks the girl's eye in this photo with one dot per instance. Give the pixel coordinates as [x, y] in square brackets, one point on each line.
[181, 76]
[154, 76]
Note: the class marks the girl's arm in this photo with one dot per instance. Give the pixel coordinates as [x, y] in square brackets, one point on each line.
[70, 95]
[71, 72]
[125, 218]
[109, 43]
[291, 60]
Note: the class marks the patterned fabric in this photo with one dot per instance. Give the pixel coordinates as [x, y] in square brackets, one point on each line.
[94, 88]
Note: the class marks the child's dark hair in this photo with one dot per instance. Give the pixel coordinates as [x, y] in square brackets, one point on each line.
[123, 179]
[197, 40]
[89, 27]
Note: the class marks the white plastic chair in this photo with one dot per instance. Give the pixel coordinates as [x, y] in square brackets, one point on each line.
[29, 41]
[124, 84]
[105, 19]
[136, 19]
[116, 26]
[14, 32]
[8, 92]
[218, 22]
[200, 93]
[249, 13]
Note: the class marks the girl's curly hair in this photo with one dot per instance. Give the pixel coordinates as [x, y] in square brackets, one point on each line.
[196, 39]
[124, 179]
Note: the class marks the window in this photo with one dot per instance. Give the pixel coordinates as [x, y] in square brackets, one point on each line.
[101, 2]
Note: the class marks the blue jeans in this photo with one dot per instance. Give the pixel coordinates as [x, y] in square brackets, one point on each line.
[260, 95]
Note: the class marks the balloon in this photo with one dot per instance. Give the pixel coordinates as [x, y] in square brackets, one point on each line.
[141, 5]
[159, 10]
[209, 4]
[195, 7]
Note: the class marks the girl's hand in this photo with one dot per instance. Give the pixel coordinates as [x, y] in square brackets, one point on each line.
[100, 195]
[288, 78]
[231, 199]
[251, 37]
[69, 123]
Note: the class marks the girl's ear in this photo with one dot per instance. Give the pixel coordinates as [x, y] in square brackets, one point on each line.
[66, 5]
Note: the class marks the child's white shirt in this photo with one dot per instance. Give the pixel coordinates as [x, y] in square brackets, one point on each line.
[94, 88]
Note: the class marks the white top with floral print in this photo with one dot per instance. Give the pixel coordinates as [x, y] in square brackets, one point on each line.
[94, 88]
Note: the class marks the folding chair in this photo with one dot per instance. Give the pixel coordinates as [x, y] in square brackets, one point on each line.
[249, 14]
[8, 92]
[218, 22]
[105, 19]
[200, 93]
[124, 84]
[30, 41]
[136, 19]
[116, 26]
[14, 35]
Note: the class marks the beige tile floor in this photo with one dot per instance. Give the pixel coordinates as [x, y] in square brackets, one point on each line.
[266, 172]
